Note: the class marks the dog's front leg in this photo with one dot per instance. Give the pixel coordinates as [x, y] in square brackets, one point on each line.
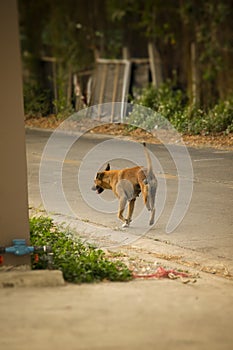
[122, 205]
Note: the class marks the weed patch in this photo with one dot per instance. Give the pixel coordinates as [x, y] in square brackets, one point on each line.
[79, 262]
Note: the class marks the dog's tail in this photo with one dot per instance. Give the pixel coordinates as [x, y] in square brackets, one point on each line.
[148, 159]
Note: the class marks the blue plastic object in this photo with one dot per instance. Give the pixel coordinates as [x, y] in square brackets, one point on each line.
[19, 247]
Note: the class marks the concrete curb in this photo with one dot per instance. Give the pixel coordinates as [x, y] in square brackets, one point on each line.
[39, 278]
[106, 238]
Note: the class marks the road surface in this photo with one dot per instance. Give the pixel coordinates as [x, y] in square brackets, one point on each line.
[206, 228]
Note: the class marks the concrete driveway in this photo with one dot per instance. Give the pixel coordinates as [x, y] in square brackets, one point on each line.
[143, 315]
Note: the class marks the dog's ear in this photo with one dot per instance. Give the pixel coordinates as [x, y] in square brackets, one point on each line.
[107, 167]
[99, 176]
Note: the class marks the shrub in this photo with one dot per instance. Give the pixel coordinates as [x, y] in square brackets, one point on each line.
[166, 103]
[62, 108]
[79, 262]
[215, 120]
[172, 104]
[221, 116]
[36, 100]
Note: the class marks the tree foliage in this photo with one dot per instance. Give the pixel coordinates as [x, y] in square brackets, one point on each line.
[75, 32]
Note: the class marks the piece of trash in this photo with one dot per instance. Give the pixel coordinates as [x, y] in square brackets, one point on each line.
[163, 273]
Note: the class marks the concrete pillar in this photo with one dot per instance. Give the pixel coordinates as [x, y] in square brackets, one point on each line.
[13, 175]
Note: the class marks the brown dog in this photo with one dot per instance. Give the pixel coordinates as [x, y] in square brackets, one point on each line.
[127, 184]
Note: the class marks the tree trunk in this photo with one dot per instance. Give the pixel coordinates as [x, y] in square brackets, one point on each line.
[195, 87]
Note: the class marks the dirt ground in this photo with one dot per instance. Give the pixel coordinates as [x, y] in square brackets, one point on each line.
[220, 141]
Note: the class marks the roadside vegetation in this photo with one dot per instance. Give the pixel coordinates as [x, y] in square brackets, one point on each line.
[79, 262]
[173, 104]
[166, 101]
[191, 41]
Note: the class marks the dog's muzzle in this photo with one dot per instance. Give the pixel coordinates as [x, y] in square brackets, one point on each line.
[98, 189]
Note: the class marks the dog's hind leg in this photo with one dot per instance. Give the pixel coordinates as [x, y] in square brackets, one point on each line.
[145, 195]
[152, 218]
[130, 210]
[125, 193]
[152, 204]
[148, 193]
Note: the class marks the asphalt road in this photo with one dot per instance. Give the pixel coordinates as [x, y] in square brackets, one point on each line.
[207, 226]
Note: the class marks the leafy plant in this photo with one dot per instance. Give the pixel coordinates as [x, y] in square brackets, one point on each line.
[167, 103]
[79, 262]
[62, 108]
[36, 100]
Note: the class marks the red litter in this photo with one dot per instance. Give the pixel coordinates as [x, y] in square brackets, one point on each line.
[162, 273]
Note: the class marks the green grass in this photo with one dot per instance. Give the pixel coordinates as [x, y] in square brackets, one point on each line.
[79, 262]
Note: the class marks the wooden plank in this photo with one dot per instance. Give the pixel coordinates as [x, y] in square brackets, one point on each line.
[125, 88]
[108, 61]
[102, 86]
[123, 61]
[111, 84]
[115, 84]
[139, 60]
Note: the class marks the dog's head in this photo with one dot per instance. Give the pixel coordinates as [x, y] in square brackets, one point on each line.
[99, 184]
